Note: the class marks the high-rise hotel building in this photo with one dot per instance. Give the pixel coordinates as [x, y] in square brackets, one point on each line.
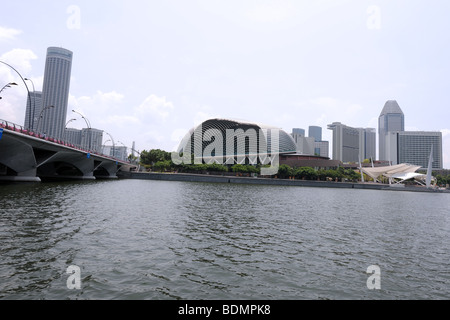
[55, 92]
[414, 147]
[352, 144]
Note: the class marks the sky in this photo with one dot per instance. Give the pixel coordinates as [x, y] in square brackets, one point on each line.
[148, 71]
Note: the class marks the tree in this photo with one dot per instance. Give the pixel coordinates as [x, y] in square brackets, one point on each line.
[217, 167]
[307, 173]
[239, 168]
[154, 155]
[162, 165]
[285, 171]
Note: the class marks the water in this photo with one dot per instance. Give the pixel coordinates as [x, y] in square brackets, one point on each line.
[135, 239]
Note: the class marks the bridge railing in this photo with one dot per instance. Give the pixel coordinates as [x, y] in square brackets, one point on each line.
[20, 129]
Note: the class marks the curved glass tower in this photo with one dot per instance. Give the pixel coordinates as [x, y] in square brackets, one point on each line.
[55, 92]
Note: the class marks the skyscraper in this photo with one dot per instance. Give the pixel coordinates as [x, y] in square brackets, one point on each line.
[299, 131]
[346, 142]
[352, 144]
[370, 143]
[391, 119]
[315, 132]
[55, 92]
[33, 109]
[414, 147]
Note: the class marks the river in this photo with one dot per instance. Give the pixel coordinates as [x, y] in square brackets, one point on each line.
[161, 240]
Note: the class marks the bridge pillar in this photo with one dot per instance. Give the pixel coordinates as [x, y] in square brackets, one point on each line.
[106, 170]
[67, 165]
[19, 160]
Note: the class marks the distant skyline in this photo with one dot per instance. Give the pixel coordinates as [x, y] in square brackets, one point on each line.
[149, 71]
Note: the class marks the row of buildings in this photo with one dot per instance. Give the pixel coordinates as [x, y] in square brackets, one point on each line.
[46, 110]
[46, 113]
[396, 145]
[230, 141]
[313, 144]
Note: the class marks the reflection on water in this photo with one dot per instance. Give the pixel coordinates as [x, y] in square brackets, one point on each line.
[175, 240]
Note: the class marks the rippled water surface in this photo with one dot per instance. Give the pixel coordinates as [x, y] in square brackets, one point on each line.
[136, 239]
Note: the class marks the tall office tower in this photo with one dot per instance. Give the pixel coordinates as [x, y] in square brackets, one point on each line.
[370, 143]
[304, 145]
[298, 131]
[55, 92]
[322, 148]
[414, 147]
[33, 110]
[391, 119]
[315, 132]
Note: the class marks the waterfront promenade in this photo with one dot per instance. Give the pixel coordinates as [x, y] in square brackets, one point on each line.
[210, 178]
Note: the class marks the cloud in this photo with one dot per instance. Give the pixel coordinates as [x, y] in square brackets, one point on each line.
[122, 122]
[8, 33]
[145, 123]
[325, 110]
[19, 59]
[272, 11]
[155, 106]
[14, 98]
[99, 106]
[445, 133]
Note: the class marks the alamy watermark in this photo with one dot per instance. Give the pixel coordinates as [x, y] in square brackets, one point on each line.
[374, 19]
[74, 20]
[252, 146]
[74, 280]
[374, 280]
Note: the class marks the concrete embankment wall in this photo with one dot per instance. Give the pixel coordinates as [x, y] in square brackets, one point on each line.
[242, 180]
[264, 181]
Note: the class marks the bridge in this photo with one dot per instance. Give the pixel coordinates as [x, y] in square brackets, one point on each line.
[31, 157]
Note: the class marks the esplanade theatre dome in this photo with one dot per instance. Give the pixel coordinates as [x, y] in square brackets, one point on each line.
[216, 138]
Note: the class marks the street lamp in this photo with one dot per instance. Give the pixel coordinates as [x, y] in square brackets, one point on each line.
[8, 85]
[69, 122]
[40, 117]
[88, 124]
[34, 103]
[29, 96]
[112, 140]
[65, 129]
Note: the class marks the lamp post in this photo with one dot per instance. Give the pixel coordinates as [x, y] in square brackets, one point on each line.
[132, 155]
[29, 95]
[40, 117]
[88, 124]
[65, 129]
[8, 85]
[69, 122]
[104, 146]
[34, 103]
[124, 157]
[112, 139]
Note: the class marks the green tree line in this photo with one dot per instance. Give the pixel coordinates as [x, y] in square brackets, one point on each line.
[160, 161]
[442, 179]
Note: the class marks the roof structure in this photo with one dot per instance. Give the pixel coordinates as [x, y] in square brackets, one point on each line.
[390, 107]
[401, 172]
[247, 140]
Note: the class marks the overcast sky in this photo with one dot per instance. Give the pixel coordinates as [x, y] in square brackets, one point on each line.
[148, 71]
